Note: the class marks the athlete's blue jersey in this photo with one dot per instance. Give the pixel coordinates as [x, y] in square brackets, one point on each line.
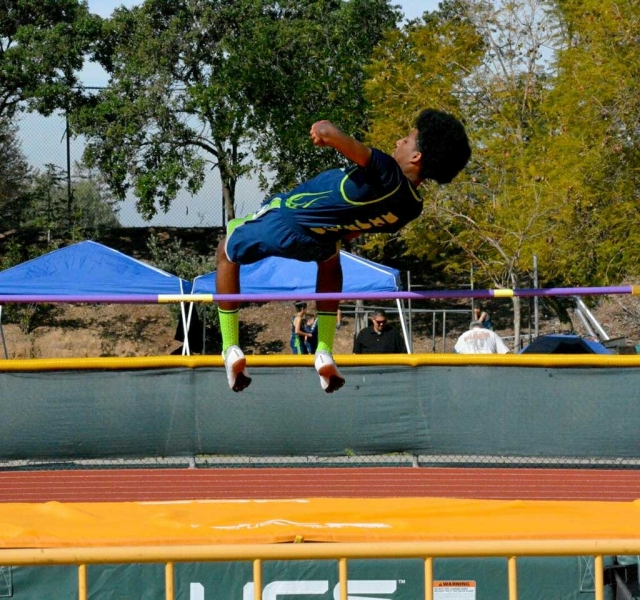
[375, 199]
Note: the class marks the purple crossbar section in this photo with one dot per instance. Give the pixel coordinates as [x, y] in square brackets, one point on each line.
[89, 299]
[357, 296]
[288, 297]
[576, 291]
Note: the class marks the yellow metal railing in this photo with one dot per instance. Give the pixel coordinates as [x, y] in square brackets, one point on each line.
[342, 552]
[344, 360]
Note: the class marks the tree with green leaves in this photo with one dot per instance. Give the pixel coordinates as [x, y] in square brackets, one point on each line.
[15, 176]
[307, 69]
[43, 45]
[208, 84]
[92, 205]
[48, 200]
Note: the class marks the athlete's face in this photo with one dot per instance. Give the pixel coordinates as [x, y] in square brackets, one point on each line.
[406, 151]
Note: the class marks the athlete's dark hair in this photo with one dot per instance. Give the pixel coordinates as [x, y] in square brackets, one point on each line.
[443, 143]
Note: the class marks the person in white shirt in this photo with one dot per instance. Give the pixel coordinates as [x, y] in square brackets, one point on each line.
[479, 340]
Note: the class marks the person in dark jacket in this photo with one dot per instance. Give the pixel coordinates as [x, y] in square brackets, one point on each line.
[379, 337]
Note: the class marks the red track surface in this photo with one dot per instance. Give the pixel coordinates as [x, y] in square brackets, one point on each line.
[191, 484]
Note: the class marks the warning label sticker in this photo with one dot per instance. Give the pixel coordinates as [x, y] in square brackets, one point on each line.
[454, 590]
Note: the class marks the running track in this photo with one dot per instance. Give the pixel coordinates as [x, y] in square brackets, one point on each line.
[128, 485]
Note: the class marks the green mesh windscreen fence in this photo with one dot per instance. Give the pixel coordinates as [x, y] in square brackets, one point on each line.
[460, 414]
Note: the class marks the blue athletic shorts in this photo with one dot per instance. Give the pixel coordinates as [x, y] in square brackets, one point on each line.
[267, 234]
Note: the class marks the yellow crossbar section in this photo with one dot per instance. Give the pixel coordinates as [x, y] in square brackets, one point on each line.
[172, 298]
[346, 360]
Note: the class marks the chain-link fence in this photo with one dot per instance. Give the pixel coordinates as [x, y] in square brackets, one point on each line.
[396, 459]
[44, 144]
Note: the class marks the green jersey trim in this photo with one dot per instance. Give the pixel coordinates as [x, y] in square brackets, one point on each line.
[300, 200]
[365, 203]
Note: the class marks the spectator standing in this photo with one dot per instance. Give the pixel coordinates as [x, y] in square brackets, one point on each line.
[298, 335]
[483, 317]
[379, 337]
[311, 326]
[479, 340]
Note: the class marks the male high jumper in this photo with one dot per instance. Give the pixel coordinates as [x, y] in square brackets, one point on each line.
[379, 194]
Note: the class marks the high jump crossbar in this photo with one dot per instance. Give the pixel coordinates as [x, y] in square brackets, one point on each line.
[633, 290]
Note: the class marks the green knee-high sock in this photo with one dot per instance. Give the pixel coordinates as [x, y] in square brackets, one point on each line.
[326, 331]
[229, 327]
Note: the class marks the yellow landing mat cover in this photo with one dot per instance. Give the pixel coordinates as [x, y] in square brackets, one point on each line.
[56, 525]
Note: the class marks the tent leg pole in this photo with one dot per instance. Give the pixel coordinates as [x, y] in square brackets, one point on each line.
[204, 332]
[433, 332]
[444, 331]
[405, 334]
[186, 321]
[4, 342]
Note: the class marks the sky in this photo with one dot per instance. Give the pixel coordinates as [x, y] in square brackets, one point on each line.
[43, 142]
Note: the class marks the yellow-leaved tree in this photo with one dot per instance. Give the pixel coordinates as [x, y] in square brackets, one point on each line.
[589, 152]
[483, 62]
[548, 93]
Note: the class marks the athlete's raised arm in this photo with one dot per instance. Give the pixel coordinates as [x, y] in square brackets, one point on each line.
[325, 133]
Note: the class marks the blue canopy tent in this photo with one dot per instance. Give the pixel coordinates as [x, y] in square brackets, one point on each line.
[281, 275]
[564, 344]
[89, 268]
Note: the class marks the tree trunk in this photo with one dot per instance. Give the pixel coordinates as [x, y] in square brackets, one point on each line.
[516, 324]
[229, 205]
[515, 280]
[228, 180]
